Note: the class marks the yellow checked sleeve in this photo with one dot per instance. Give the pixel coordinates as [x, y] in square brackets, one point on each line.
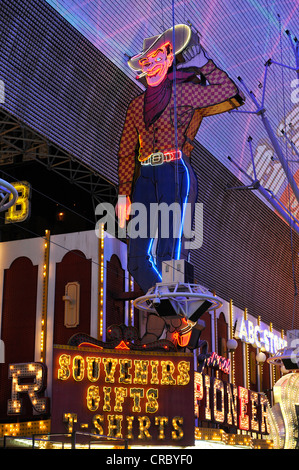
[126, 154]
[221, 94]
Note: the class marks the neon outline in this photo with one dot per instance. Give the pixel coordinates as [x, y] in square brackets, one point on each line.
[122, 345]
[182, 340]
[184, 211]
[153, 54]
[168, 156]
[86, 344]
[181, 26]
[157, 69]
[181, 228]
[151, 258]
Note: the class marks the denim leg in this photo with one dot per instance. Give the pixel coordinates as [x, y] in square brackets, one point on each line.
[175, 184]
[140, 263]
[167, 183]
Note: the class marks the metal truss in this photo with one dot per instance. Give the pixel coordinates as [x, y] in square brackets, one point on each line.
[19, 143]
[261, 111]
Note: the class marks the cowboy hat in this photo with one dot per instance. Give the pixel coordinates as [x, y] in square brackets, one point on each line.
[182, 35]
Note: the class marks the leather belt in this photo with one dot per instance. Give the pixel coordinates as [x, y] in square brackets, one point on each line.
[159, 158]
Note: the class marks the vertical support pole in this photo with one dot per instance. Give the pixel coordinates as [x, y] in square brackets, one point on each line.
[282, 334]
[295, 48]
[101, 283]
[297, 57]
[131, 304]
[252, 157]
[215, 331]
[259, 365]
[175, 116]
[246, 358]
[214, 328]
[43, 334]
[265, 81]
[231, 326]
[272, 370]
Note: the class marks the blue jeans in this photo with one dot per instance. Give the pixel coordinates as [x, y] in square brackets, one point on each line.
[170, 182]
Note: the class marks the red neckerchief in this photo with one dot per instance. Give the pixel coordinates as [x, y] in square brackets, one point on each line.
[156, 98]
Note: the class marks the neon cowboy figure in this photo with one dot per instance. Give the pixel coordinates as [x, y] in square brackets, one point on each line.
[152, 168]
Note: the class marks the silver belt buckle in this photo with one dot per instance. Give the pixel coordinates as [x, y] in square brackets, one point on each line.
[157, 158]
[154, 159]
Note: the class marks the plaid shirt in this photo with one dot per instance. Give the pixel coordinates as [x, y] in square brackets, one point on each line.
[193, 102]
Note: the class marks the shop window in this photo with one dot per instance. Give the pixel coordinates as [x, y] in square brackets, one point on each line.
[115, 305]
[222, 347]
[18, 321]
[72, 296]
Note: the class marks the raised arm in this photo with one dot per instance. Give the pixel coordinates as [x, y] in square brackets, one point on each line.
[221, 94]
[126, 154]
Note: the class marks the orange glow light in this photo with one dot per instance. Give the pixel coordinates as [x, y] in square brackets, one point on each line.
[122, 345]
[182, 340]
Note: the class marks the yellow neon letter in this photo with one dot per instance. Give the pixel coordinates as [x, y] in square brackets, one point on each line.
[64, 371]
[20, 211]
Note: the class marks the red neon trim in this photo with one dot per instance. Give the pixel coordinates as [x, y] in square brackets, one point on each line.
[81, 345]
[172, 155]
[155, 69]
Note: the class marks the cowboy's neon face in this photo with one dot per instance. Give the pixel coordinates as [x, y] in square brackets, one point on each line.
[156, 64]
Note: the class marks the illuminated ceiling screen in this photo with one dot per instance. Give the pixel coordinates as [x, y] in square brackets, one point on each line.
[240, 36]
[60, 85]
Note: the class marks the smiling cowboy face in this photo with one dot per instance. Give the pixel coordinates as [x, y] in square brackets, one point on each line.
[156, 64]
